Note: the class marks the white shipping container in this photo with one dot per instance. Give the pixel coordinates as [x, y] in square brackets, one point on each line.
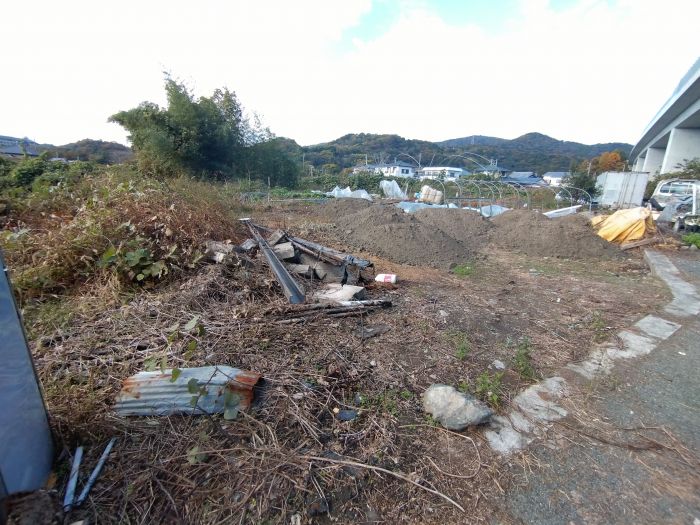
[622, 189]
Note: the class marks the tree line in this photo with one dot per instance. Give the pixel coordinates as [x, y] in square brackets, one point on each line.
[206, 137]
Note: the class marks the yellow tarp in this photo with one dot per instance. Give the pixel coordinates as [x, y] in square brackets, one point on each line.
[625, 225]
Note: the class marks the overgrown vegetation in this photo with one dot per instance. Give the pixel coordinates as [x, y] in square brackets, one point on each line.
[69, 224]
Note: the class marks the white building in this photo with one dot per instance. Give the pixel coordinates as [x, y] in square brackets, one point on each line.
[442, 172]
[394, 169]
[554, 178]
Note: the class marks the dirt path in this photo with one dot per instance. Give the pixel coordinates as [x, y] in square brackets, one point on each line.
[628, 450]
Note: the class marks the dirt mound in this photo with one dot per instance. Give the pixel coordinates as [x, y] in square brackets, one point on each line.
[464, 225]
[570, 237]
[402, 237]
[337, 208]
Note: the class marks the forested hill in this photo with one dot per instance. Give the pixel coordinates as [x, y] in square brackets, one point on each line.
[87, 149]
[531, 152]
[99, 151]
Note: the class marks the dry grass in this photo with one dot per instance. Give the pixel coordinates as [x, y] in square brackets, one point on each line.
[288, 456]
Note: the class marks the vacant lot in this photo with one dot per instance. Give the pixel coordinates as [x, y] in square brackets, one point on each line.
[530, 292]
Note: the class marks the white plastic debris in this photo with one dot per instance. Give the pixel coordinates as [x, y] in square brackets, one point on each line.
[347, 193]
[392, 190]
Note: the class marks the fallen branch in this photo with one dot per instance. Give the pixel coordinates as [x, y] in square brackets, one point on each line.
[385, 471]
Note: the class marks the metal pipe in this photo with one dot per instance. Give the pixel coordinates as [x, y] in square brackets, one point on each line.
[95, 472]
[290, 287]
[72, 480]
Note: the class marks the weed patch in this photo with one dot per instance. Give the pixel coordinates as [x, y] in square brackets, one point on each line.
[460, 340]
[692, 238]
[464, 270]
[523, 360]
[489, 387]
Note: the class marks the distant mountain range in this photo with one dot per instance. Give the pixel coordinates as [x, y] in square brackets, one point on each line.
[87, 149]
[530, 152]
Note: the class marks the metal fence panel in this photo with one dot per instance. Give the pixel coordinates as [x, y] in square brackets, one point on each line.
[26, 445]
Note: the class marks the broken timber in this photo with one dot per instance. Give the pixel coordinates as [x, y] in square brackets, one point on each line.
[290, 287]
[322, 252]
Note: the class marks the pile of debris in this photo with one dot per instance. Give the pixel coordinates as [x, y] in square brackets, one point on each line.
[292, 257]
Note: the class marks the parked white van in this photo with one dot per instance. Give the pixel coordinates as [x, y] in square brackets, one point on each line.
[669, 188]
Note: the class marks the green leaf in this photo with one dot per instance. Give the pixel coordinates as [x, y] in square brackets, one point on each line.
[230, 413]
[194, 456]
[176, 373]
[193, 386]
[191, 347]
[193, 401]
[108, 257]
[140, 277]
[163, 364]
[150, 364]
[191, 323]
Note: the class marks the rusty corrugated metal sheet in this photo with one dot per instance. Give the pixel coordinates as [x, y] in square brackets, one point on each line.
[155, 393]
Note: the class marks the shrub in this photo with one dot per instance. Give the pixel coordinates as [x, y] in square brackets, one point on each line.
[692, 239]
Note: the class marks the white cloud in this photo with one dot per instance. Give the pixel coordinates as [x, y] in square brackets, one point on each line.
[596, 71]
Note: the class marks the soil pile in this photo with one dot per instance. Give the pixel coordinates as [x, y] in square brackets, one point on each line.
[338, 208]
[570, 237]
[464, 225]
[402, 237]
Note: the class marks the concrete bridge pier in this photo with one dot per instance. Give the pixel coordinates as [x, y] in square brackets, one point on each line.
[683, 145]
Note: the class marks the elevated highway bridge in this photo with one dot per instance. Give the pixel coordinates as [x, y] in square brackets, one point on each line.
[673, 135]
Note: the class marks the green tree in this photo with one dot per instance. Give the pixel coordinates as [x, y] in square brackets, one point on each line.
[581, 180]
[208, 137]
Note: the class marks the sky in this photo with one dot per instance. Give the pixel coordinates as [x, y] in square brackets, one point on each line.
[589, 71]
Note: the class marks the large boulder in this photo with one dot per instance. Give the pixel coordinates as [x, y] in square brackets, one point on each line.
[453, 409]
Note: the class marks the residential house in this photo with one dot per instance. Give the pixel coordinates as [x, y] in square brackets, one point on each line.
[442, 172]
[393, 169]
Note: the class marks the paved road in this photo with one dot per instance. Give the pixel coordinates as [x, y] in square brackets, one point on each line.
[594, 470]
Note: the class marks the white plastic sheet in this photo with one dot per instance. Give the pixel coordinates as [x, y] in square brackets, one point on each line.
[489, 211]
[347, 193]
[411, 207]
[392, 190]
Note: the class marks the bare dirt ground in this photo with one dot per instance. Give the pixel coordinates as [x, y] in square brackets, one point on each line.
[291, 459]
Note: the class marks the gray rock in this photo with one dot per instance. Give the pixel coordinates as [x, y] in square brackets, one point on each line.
[693, 247]
[498, 365]
[347, 415]
[453, 409]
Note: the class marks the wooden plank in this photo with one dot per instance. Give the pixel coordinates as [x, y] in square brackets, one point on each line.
[637, 244]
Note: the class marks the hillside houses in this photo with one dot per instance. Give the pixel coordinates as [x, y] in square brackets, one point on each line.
[16, 147]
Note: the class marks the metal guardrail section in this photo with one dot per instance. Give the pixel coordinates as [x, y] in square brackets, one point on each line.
[291, 289]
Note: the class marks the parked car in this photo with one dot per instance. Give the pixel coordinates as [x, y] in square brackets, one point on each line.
[672, 188]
